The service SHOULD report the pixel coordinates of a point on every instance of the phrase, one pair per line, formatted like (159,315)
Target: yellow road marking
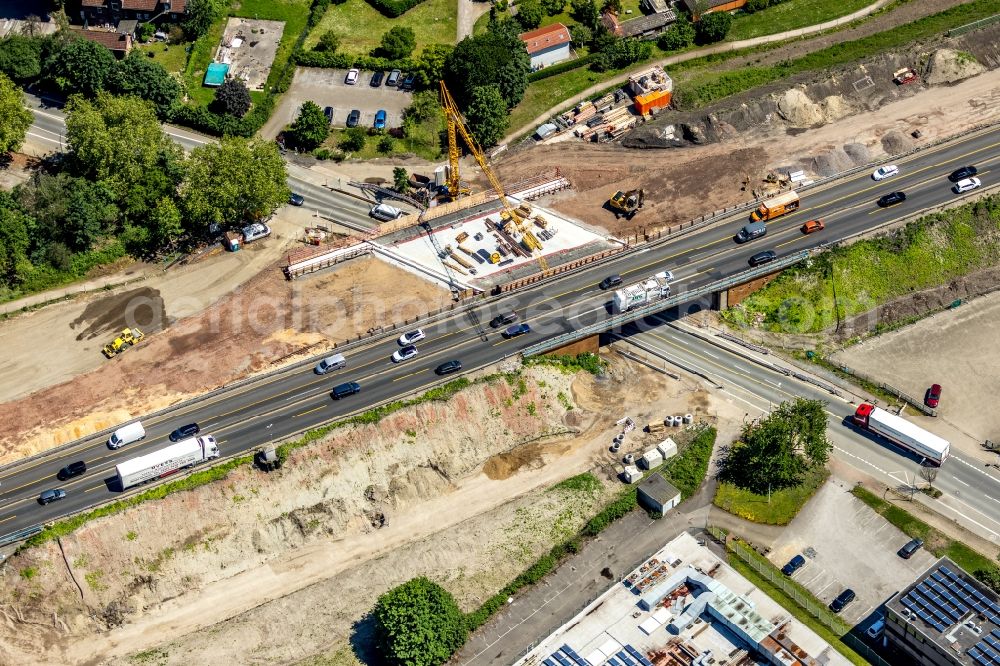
(4,520)
(310,411)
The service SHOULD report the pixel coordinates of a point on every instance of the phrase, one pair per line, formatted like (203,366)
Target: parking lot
(847,545)
(326,87)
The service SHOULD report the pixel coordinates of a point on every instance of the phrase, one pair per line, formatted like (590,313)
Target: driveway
(326,87)
(846,544)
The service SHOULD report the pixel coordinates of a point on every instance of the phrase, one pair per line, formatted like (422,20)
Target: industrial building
(683,607)
(657,494)
(547,45)
(650,89)
(945,618)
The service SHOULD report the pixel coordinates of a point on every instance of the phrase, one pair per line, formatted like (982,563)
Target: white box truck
(641,293)
(166,461)
(900,431)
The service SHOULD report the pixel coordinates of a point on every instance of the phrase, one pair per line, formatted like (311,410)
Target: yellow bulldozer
(627,203)
(127,338)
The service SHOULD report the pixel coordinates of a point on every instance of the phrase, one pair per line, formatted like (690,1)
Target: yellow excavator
(627,203)
(127,338)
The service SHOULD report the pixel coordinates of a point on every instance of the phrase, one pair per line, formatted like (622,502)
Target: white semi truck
(900,431)
(166,461)
(641,293)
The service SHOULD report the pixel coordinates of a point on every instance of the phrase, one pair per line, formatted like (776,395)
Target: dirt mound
(831,162)
(896,143)
(948,66)
(800,111)
(836,107)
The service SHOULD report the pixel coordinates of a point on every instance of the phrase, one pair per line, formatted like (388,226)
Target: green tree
(418,623)
(15,226)
(145,32)
(680,35)
(21,57)
(400,180)
(622,53)
(232,97)
(487,115)
(90,212)
(79,66)
(386,144)
(586,12)
(553,7)
(423,106)
(494,58)
(580,35)
(430,64)
(233,181)
(397,43)
(774,452)
(529,14)
(14,118)
(354,139)
(310,129)
(712,27)
(146,79)
(201,14)
(613,6)
(328,42)
(165,224)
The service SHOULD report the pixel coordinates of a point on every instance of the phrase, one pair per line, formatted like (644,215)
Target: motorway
(296,399)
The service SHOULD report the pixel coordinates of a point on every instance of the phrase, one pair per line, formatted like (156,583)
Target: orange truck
(779,205)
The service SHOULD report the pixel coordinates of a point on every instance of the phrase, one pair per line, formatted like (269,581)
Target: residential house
(110,12)
(547,46)
(117,42)
(698,7)
(641,27)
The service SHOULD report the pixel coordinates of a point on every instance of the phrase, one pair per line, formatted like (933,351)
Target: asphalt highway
(296,399)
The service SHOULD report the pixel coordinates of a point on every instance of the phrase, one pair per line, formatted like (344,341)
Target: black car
(353,118)
(328,112)
(844,598)
(71,470)
(962,173)
(912,546)
(345,389)
(761,258)
(189,430)
(448,367)
(296,199)
(503,319)
(516,330)
(377,79)
(793,565)
(611,281)
(49,496)
(892,199)
(409,81)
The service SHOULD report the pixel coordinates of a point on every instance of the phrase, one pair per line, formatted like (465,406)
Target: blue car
(380,119)
(516,330)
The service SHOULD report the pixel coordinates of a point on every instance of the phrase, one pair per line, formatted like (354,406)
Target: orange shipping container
(654,100)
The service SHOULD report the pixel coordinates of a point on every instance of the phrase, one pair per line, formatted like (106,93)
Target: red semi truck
(903,433)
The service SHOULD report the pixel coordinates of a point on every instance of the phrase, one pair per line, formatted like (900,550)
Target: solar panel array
(939,600)
(639,659)
(565,656)
(987,651)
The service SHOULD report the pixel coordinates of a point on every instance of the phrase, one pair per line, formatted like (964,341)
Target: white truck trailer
(166,461)
(641,293)
(900,431)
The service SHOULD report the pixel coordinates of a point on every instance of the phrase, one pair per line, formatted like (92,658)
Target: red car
(933,396)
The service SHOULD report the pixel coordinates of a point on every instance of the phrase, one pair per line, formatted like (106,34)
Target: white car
(352,77)
(404,354)
(410,337)
(887,171)
(966,185)
(252,232)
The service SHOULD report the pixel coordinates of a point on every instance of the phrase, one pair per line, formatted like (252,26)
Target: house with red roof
(547,45)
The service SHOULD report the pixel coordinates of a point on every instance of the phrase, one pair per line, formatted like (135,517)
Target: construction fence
(975,25)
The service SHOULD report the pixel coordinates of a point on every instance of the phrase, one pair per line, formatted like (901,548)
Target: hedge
(346,61)
(562,67)
(394,8)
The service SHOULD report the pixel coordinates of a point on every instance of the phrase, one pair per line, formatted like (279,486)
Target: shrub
(612,512)
(394,8)
(418,623)
(713,27)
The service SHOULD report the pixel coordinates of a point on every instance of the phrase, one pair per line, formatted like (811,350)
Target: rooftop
(114,41)
(650,80)
(544,38)
(658,488)
(643,24)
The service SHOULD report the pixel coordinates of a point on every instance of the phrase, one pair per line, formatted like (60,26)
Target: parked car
(516,330)
(296,199)
(761,258)
(891,199)
(256,230)
(962,173)
(404,354)
(393,77)
(408,338)
(352,77)
(448,367)
(328,112)
(912,546)
(409,81)
(844,598)
(933,396)
(377,79)
(502,319)
(49,496)
(71,470)
(353,117)
(812,226)
(793,565)
(966,185)
(875,630)
(887,171)
(611,281)
(189,430)
(380,119)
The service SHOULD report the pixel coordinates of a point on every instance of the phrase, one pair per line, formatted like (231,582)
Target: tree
(328,42)
(14,118)
(580,35)
(21,57)
(90,212)
(553,7)
(613,6)
(233,181)
(712,27)
(494,58)
(145,32)
(418,623)
(586,12)
(232,97)
(201,14)
(79,65)
(529,14)
(165,224)
(146,79)
(354,139)
(928,472)
(311,127)
(397,43)
(617,53)
(679,36)
(400,180)
(386,144)
(15,226)
(774,452)
(487,115)
(429,67)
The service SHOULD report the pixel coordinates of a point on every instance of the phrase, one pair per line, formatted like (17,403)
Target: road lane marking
(309,411)
(4,520)
(103,485)
(411,374)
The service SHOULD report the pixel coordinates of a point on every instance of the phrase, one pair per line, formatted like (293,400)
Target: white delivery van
(385,212)
(132,432)
(335,362)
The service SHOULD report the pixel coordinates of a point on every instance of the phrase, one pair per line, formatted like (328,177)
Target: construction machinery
(627,203)
(127,338)
(456,125)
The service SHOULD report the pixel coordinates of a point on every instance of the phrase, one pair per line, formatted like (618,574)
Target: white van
(385,212)
(335,362)
(133,432)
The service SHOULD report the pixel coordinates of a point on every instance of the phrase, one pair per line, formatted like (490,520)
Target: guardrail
(630,316)
(20,535)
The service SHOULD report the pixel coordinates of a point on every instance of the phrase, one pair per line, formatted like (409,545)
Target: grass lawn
(423,142)
(779,509)
(547,94)
(172,57)
(791,15)
(360,27)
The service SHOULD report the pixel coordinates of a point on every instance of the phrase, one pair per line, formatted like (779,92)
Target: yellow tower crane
(456,124)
